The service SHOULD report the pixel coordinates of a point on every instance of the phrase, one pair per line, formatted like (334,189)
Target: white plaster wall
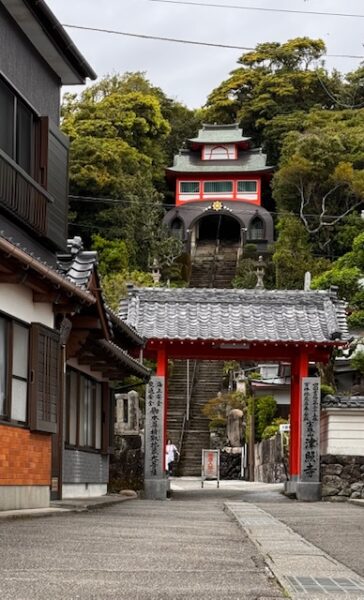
(342,432)
(17,301)
(84,490)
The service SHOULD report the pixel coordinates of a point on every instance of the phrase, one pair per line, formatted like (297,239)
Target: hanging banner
(210,466)
(310,429)
(154,411)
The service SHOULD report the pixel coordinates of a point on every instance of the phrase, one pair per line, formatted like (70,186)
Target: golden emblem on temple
(217,205)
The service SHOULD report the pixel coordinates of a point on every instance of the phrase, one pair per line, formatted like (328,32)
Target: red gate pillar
(299,369)
(162,371)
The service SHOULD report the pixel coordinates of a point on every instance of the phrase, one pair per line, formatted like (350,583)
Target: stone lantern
(155,271)
(260,272)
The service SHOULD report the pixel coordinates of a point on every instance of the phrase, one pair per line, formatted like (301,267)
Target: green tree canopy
(274,79)
(293,254)
(320,176)
(123,131)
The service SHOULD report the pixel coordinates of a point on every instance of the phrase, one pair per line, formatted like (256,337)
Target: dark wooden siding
(44,379)
(27,71)
(58,186)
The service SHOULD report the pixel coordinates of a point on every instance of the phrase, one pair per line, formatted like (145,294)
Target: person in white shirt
(171,451)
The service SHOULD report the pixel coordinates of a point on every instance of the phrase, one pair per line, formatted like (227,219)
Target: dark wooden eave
(17,266)
(113,362)
(124,333)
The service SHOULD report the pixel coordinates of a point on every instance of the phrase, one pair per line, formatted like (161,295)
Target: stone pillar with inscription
(309,487)
(155,480)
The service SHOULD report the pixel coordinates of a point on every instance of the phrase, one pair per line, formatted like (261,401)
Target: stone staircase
(177,399)
(213,266)
(203,265)
(209,379)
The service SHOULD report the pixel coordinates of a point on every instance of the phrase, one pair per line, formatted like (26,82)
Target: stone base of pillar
(156,489)
(290,488)
(308,492)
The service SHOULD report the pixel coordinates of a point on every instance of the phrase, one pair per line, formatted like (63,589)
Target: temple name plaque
(154,418)
(310,432)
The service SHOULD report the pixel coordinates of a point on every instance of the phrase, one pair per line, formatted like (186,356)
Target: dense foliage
(309,121)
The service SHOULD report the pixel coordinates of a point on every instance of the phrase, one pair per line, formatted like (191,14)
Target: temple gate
(297,327)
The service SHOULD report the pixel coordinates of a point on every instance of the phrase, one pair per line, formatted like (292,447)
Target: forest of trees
(124,131)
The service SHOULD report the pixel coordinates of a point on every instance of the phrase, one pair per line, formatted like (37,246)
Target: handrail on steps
(190,384)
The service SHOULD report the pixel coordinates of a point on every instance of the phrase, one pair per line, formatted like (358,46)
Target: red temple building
(218,183)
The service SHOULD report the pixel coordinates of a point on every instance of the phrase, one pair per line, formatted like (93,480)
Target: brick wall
(25,457)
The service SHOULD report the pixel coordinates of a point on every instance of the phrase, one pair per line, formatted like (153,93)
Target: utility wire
(169,206)
(261,9)
(160,38)
(335,99)
(183,41)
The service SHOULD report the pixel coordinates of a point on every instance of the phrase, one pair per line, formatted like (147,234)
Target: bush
(217,422)
(273,429)
(217,408)
(356,320)
(357,362)
(255,375)
(326,390)
(265,408)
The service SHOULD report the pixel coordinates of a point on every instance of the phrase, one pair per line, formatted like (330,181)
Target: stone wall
(342,477)
(230,463)
(127,463)
(269,462)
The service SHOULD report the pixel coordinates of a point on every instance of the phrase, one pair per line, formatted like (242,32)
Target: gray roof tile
(237,315)
(219,134)
(247,161)
(78,264)
(343,402)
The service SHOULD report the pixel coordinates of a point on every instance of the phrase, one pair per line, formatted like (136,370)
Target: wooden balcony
(23,196)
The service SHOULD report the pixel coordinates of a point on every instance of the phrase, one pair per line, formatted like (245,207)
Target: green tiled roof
(219,134)
(248,161)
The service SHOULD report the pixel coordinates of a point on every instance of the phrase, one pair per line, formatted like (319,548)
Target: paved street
(205,544)
(186,548)
(336,528)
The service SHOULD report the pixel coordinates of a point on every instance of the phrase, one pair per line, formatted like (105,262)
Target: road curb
(298,566)
(58,509)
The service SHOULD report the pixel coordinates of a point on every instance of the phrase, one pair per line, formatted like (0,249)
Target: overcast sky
(189,73)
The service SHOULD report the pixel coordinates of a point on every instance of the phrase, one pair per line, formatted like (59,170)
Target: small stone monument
(235,427)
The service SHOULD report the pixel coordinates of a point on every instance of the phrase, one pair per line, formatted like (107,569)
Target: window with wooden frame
(14,355)
(189,187)
(247,186)
(218,187)
(29,374)
(23,134)
(84,414)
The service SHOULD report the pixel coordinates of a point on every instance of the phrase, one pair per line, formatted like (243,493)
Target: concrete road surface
(186,548)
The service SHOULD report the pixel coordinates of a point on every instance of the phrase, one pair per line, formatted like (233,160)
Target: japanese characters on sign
(154,411)
(210,465)
(310,429)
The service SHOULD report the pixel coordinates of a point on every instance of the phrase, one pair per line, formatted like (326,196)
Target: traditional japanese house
(47,308)
(218,183)
(98,347)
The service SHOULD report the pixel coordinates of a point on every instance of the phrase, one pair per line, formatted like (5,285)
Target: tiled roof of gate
(343,402)
(236,315)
